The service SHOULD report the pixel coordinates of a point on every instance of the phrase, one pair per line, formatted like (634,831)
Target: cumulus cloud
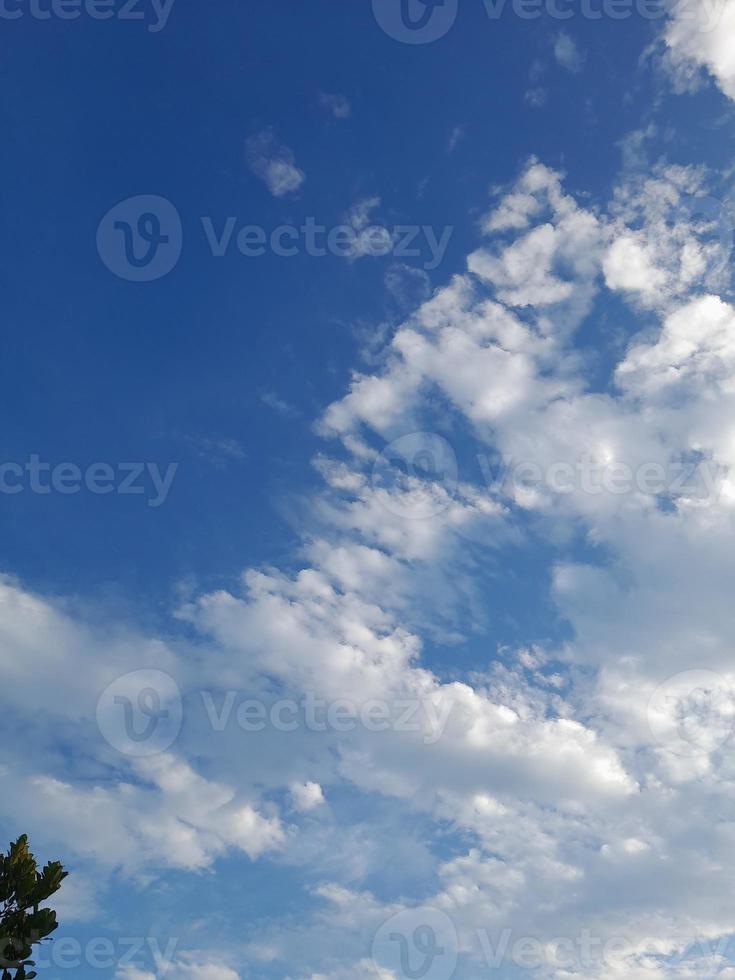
(171,818)
(700,37)
(563,778)
(545,415)
(628,266)
(696,344)
(668,236)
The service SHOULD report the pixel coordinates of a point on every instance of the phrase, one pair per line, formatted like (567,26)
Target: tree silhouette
(22,923)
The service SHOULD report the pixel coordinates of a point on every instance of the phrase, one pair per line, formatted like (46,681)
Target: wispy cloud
(408,285)
(455,137)
(217,451)
(370,238)
(274,163)
(536,97)
(279,405)
(567,53)
(337,104)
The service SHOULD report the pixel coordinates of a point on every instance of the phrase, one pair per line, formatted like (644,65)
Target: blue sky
(467,475)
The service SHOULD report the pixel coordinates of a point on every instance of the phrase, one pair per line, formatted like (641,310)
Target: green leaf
(23,889)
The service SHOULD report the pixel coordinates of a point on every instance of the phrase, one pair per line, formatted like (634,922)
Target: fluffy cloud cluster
(700,36)
(561,811)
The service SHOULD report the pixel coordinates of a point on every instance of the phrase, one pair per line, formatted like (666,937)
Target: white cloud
(168,817)
(696,345)
(363,970)
(455,137)
(306,796)
(538,187)
(667,236)
(273,162)
(408,286)
(359,214)
(556,777)
(558,807)
(182,969)
(567,53)
(337,104)
(628,266)
(700,36)
(279,405)
(536,97)
(370,238)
